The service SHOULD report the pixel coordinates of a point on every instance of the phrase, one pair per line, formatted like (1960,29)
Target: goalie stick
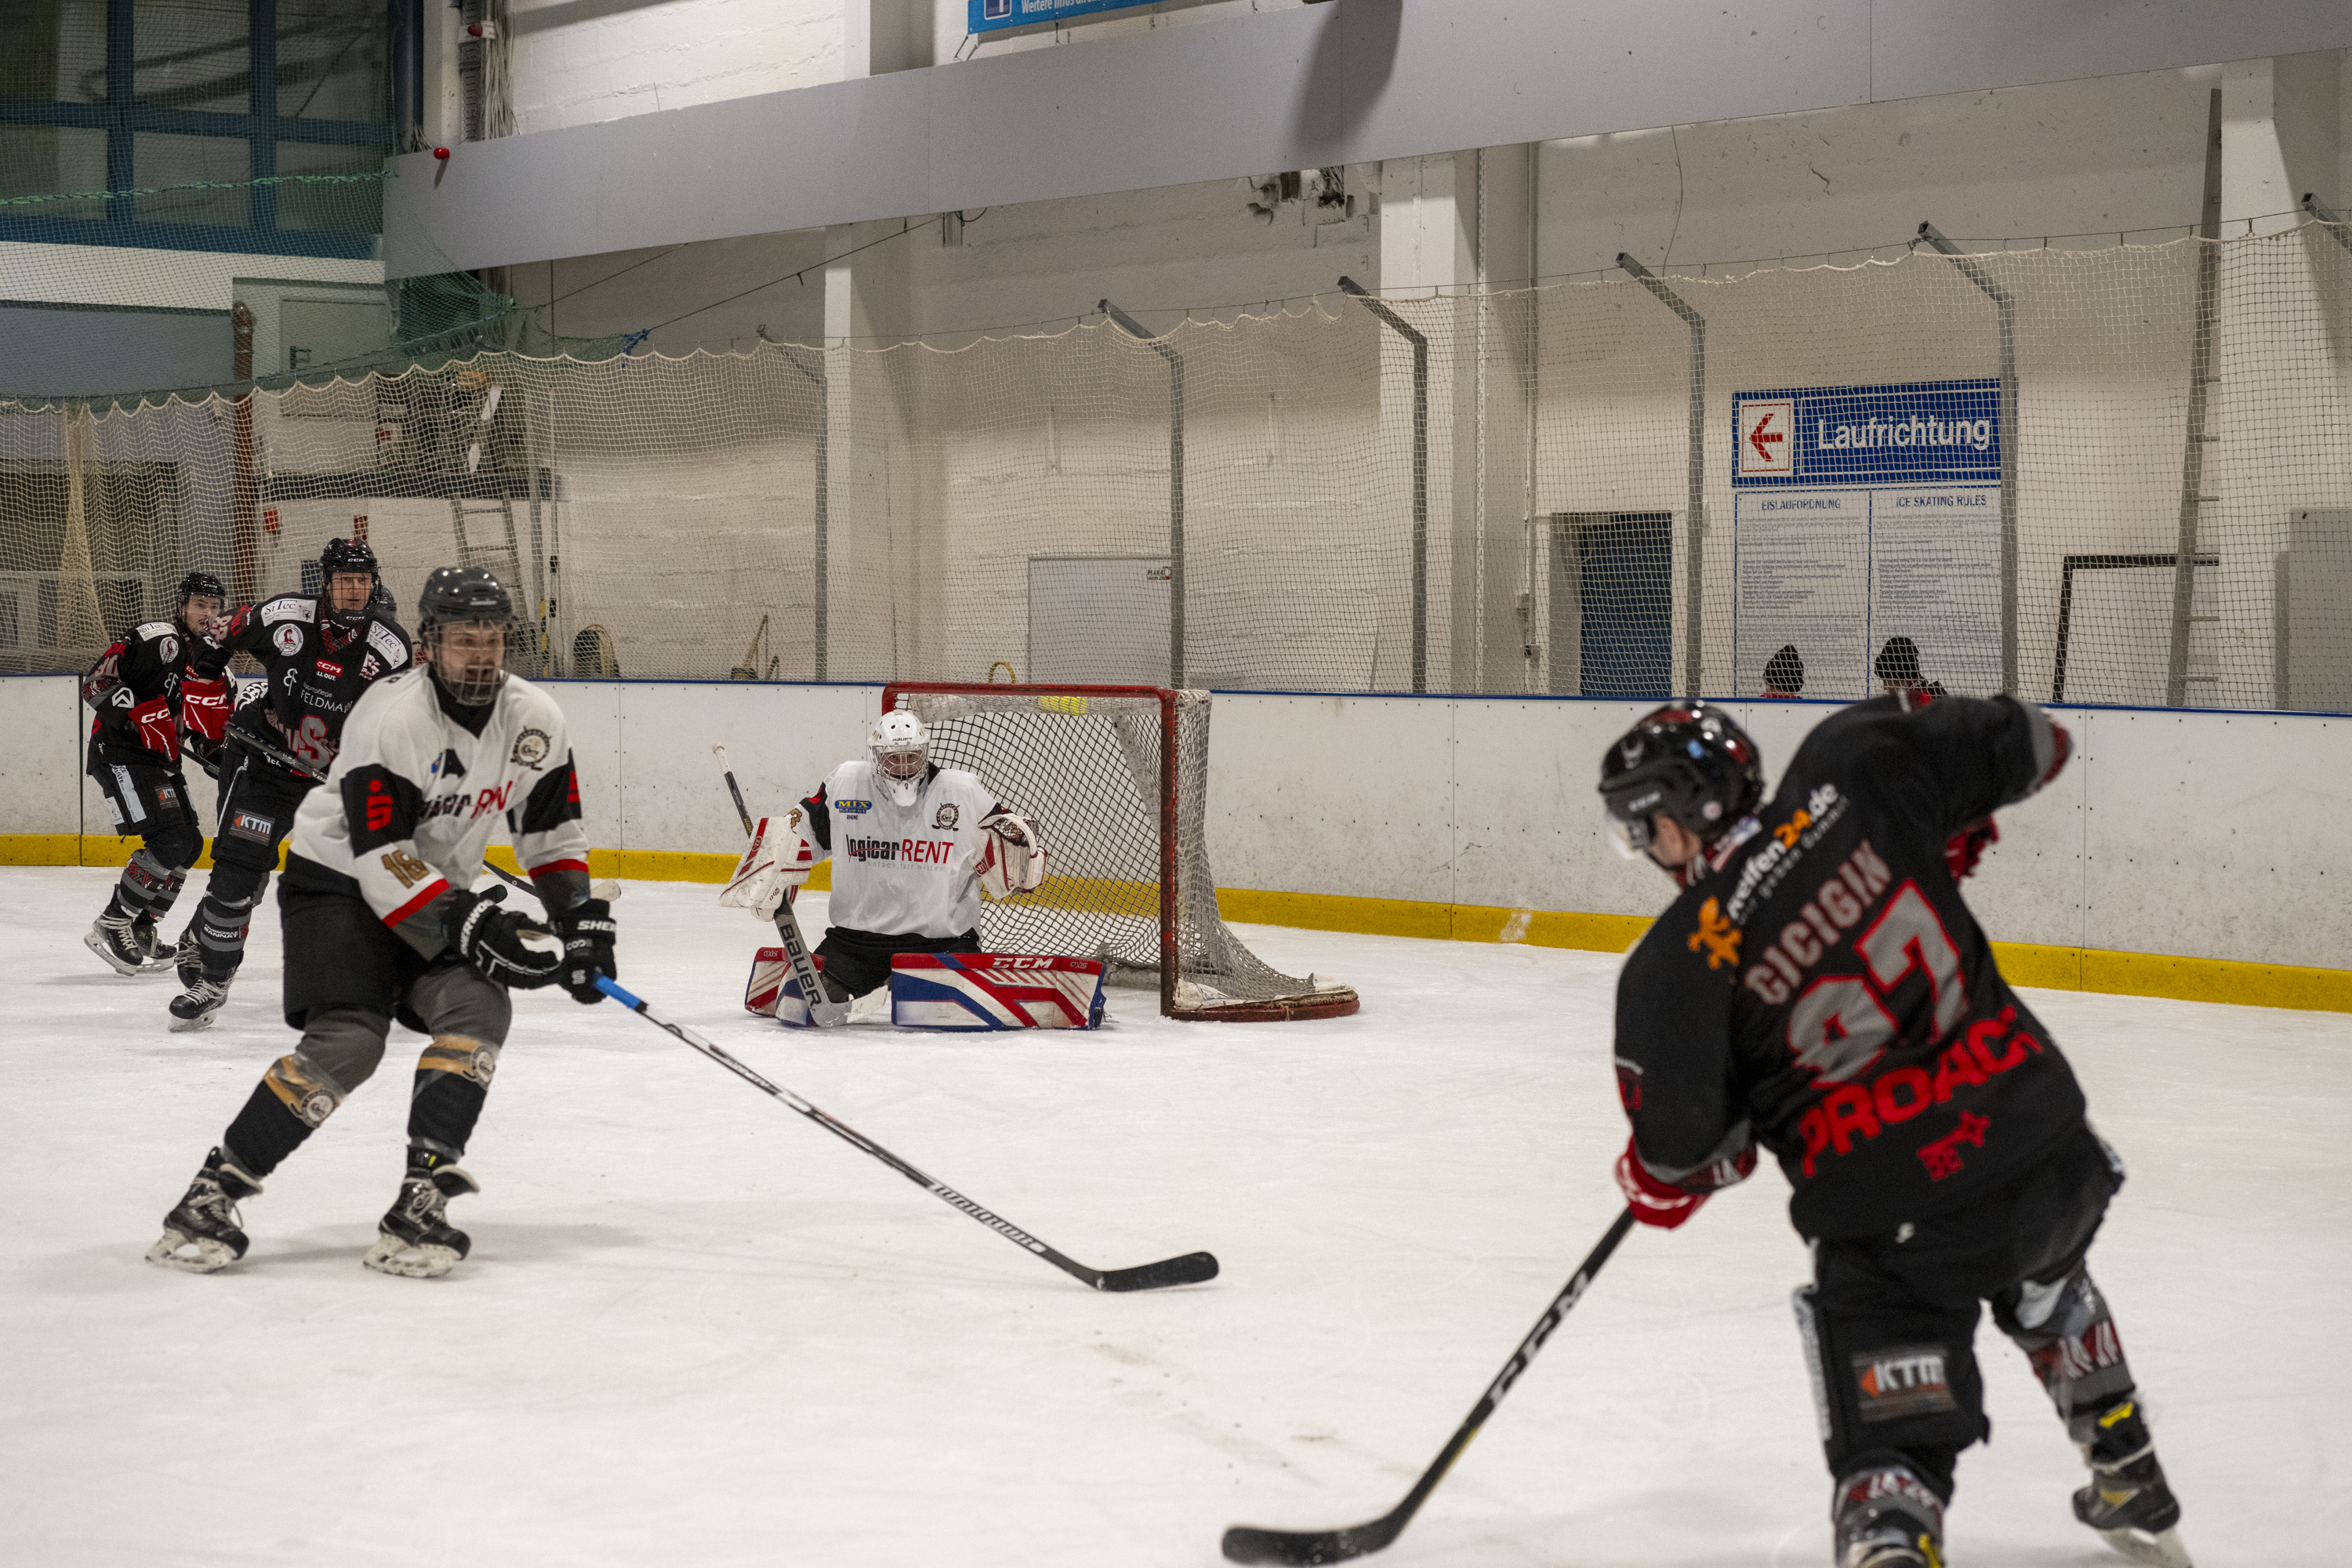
(1191,1268)
(824,1012)
(1248,1544)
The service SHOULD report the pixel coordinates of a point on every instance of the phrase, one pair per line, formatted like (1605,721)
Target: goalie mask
(1686,762)
(901,749)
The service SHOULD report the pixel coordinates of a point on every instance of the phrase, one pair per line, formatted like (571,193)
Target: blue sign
(995,16)
(1918,433)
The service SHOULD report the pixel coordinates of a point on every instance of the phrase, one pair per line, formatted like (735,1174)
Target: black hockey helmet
(1785,670)
(199,585)
(456,597)
(1687,762)
(345,555)
(460,594)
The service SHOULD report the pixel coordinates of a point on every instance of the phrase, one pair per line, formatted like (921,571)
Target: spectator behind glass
(1898,669)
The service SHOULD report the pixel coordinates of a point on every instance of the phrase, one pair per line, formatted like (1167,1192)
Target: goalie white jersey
(910,870)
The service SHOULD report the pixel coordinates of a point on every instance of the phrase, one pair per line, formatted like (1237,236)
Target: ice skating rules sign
(1863,512)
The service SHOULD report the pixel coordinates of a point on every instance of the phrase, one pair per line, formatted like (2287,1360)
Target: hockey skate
(188,958)
(151,949)
(416,1239)
(110,937)
(1887,1518)
(2127,1501)
(201,1235)
(193,1008)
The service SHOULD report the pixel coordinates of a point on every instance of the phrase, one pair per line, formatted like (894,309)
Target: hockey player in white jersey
(913,845)
(382,924)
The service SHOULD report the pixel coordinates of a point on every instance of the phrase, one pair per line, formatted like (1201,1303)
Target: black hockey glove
(490,938)
(587,931)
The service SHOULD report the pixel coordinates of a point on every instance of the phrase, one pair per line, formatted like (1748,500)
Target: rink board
(2173,859)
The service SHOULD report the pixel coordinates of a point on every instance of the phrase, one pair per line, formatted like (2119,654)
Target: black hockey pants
(1890,1320)
(153,804)
(856,961)
(258,802)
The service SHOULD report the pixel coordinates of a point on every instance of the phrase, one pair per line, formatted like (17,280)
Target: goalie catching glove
(1012,859)
(770,871)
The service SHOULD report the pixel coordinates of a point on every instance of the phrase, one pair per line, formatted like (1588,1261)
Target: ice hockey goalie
(915,848)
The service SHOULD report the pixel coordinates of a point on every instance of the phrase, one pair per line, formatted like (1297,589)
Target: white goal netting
(1258,508)
(1116,779)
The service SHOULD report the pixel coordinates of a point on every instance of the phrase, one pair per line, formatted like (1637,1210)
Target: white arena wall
(2199,836)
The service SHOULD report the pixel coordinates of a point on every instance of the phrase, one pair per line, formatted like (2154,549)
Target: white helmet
(901,749)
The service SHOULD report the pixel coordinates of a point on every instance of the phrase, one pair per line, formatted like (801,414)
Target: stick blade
(1248,1544)
(1192,1269)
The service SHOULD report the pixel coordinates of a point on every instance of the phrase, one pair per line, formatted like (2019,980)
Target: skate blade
(203,1020)
(204,1256)
(390,1255)
(96,944)
(2164,1548)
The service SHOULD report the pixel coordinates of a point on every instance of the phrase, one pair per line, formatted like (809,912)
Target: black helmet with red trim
(1687,762)
(341,556)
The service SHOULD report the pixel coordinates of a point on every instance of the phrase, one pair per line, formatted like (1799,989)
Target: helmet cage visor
(474,668)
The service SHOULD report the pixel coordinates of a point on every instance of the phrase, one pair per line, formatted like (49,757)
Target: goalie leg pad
(769,970)
(981,991)
(774,991)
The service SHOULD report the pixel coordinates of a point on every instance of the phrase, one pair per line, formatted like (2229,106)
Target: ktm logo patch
(1908,1380)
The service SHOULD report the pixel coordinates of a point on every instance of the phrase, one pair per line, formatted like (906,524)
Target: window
(204,105)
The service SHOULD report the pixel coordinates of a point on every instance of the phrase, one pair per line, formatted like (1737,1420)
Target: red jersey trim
(433,889)
(579,866)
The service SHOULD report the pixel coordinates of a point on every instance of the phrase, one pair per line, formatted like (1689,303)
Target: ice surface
(696,1329)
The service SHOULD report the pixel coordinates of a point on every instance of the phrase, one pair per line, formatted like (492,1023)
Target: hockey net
(1116,778)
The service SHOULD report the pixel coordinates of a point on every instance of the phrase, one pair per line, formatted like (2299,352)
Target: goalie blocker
(967,991)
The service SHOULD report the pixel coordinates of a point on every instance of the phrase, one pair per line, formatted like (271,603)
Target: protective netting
(1092,768)
(1255,505)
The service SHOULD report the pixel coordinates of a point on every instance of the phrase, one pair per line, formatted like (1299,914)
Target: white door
(1100,620)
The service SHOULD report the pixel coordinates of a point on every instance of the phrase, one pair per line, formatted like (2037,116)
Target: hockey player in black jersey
(1821,989)
(317,653)
(149,686)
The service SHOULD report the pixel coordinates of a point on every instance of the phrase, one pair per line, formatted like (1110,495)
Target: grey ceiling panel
(1350,82)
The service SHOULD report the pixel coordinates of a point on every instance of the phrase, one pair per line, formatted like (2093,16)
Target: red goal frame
(1280,1010)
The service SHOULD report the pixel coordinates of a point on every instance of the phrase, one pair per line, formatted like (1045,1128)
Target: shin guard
(453,1082)
(2069,1336)
(293,1098)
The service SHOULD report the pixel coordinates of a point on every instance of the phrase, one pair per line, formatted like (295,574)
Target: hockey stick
(741,809)
(824,1012)
(1190,1269)
(1247,1544)
(605,889)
